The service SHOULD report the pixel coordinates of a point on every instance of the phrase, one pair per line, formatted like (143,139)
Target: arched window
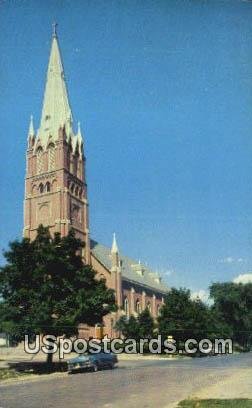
(149,306)
(77,191)
(72,188)
(41,188)
(80,193)
(53,185)
(138,307)
(48,187)
(40,164)
(51,157)
(126,306)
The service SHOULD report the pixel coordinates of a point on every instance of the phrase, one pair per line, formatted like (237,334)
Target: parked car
(91,362)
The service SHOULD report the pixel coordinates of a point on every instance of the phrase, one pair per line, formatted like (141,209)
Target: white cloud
(243,278)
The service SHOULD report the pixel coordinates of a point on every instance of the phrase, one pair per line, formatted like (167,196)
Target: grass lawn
(216,403)
(25,369)
(6,373)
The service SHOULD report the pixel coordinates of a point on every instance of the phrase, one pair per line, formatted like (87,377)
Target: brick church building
(56,196)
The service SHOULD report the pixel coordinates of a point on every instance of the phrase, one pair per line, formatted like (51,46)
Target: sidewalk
(139,357)
(18,354)
(238,385)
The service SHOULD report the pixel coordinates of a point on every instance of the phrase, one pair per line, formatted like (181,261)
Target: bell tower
(55,183)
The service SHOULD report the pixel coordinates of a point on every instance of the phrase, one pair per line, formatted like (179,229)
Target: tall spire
(56,110)
(114,249)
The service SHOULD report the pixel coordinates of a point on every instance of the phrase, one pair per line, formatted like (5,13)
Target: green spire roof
(56,110)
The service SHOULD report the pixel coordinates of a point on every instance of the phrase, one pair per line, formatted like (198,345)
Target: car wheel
(112,366)
(95,368)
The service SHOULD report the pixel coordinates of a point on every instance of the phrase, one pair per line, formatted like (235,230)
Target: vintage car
(91,362)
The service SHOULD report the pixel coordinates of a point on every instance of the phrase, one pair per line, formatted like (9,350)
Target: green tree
(219,328)
(206,323)
(233,304)
(145,324)
(47,289)
(199,320)
(175,317)
(128,326)
(183,317)
(138,327)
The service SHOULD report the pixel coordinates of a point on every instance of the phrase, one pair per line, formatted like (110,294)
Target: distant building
(56,196)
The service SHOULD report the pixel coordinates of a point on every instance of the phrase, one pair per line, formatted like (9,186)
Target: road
(142,384)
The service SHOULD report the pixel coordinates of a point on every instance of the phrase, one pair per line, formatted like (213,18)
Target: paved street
(142,384)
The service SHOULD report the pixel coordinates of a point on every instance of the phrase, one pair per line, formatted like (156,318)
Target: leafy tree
(233,304)
(183,317)
(138,327)
(47,289)
(175,317)
(129,327)
(7,326)
(145,324)
(219,328)
(200,320)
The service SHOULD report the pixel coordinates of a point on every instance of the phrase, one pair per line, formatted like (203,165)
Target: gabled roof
(131,269)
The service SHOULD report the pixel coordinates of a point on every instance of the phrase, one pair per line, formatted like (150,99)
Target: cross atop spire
(54,27)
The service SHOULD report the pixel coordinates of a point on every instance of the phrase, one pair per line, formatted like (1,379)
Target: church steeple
(56,110)
(55,185)
(116,271)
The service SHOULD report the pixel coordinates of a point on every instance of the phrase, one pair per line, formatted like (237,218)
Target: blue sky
(163,90)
